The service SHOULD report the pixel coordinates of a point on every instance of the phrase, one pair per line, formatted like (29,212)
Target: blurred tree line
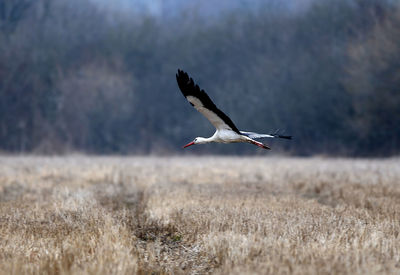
(74,77)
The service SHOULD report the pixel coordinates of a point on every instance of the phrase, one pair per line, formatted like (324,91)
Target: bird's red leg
(259,144)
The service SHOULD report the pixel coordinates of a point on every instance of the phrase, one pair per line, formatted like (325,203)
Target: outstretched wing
(202,102)
(257,135)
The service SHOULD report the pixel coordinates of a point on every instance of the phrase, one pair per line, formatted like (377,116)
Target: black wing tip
(179,74)
(277,135)
(186,84)
(285,137)
(182,74)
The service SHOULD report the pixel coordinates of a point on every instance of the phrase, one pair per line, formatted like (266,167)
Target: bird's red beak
(189,144)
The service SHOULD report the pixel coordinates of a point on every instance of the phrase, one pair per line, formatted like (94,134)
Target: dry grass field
(148,215)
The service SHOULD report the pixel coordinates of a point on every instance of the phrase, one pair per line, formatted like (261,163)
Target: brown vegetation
(199,215)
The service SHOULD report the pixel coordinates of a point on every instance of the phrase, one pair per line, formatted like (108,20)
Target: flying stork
(226,131)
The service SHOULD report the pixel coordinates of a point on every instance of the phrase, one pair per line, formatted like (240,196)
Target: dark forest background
(79,76)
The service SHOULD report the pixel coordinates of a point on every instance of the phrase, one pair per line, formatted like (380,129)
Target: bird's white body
(225,136)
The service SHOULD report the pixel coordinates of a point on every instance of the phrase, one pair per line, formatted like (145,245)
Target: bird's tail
(257,135)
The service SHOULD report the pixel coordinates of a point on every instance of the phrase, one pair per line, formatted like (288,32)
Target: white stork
(226,131)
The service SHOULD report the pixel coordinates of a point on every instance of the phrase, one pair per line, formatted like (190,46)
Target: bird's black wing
(202,102)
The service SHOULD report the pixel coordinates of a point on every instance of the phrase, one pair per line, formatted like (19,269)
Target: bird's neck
(202,140)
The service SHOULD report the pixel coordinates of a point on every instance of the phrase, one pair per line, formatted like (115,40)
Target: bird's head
(198,140)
